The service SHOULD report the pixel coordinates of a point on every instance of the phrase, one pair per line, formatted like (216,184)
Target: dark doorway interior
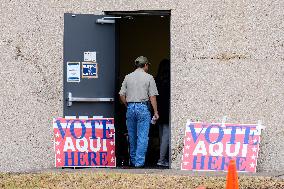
(147,35)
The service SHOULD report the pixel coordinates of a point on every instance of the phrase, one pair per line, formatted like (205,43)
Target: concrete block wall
(227,59)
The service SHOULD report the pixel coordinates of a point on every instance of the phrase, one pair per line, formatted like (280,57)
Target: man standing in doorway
(136,90)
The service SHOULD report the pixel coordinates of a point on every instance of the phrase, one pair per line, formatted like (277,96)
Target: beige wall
(227,59)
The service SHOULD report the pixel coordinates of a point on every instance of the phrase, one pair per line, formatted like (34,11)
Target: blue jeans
(138,118)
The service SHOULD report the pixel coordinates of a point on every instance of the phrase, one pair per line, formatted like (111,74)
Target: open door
(113,46)
(91,93)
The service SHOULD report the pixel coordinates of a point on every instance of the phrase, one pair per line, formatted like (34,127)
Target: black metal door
(92,96)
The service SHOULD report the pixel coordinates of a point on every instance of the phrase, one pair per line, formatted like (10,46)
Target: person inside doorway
(136,90)
(163,84)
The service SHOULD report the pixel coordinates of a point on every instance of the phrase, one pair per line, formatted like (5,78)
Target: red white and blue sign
(210,146)
(84,142)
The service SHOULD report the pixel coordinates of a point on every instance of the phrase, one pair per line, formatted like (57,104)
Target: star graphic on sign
(253,157)
(57,143)
(112,159)
(188,138)
(186,155)
(254,149)
(111,151)
(58,160)
(252,165)
(57,134)
(58,151)
(111,143)
(111,134)
(187,147)
(255,140)
(185,163)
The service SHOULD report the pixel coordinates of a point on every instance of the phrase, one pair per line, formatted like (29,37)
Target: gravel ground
(129,178)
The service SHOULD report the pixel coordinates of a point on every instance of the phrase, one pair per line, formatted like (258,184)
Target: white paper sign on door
(90,56)
(73,71)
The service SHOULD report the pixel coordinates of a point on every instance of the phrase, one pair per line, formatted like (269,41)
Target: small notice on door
(90,56)
(89,70)
(73,71)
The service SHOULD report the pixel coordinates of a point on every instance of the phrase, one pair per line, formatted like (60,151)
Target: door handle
(71,99)
(105,21)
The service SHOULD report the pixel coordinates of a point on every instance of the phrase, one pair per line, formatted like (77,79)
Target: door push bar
(71,99)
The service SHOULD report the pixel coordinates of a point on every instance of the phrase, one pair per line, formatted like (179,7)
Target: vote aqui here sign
(210,146)
(84,142)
